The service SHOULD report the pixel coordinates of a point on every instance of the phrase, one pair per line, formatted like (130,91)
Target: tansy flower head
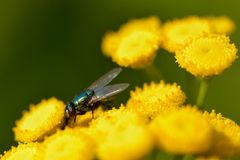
(155,98)
(115,119)
(131,142)
(68,144)
(28,151)
(222,24)
(183,131)
(121,134)
(226,136)
(177,32)
(41,120)
(137,49)
(207,55)
(135,44)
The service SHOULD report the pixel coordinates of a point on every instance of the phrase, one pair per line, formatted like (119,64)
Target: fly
(98,93)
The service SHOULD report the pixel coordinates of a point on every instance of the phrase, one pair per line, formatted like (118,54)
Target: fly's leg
(93,107)
(92,113)
(75,117)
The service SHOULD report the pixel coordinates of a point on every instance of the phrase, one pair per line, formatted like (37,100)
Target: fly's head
(69,114)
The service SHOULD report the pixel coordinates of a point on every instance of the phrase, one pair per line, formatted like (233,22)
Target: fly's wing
(105,79)
(108,91)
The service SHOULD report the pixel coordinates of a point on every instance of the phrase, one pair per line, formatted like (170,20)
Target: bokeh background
(52,48)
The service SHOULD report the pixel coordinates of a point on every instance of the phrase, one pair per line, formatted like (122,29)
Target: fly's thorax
(82,97)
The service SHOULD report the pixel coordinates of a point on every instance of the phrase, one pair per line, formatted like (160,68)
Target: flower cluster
(200,44)
(156,117)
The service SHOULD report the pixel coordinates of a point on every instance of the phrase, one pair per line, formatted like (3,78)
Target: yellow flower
(177,32)
(183,131)
(207,55)
(137,49)
(155,98)
(135,44)
(41,120)
(121,134)
(132,142)
(114,119)
(226,136)
(222,24)
(68,144)
(28,151)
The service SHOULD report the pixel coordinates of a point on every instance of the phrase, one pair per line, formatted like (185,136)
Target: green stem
(202,91)
(191,88)
(153,72)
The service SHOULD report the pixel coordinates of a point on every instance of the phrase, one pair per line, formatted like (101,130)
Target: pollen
(68,144)
(183,131)
(28,151)
(134,44)
(222,24)
(155,98)
(226,135)
(177,32)
(207,55)
(42,119)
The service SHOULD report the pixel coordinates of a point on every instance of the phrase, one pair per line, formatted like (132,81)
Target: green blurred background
(52,48)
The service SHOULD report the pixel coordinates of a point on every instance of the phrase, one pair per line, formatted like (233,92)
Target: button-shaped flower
(177,32)
(207,55)
(226,136)
(135,44)
(68,144)
(183,131)
(42,119)
(155,98)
